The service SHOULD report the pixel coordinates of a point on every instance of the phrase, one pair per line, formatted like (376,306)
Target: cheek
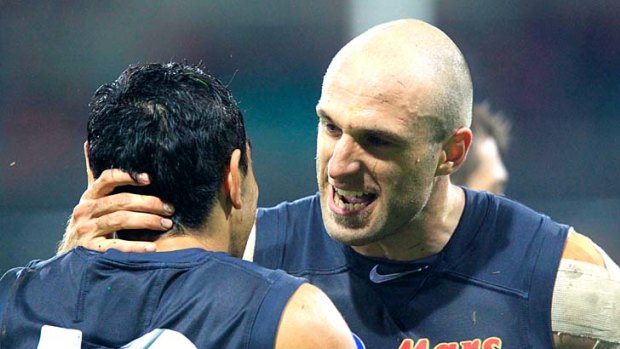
(410,175)
(323,153)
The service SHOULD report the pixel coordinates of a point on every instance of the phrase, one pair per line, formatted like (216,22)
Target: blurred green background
(553,67)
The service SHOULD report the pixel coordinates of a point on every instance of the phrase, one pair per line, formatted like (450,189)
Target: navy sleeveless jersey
(490,287)
(181,299)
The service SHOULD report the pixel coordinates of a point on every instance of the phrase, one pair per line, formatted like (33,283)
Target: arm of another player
(310,320)
(99,214)
(586,297)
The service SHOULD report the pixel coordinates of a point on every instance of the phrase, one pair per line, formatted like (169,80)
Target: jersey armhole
(543,280)
(265,326)
(6,286)
(269,238)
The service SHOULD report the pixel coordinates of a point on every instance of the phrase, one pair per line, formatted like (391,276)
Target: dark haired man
(410,259)
(183,128)
(484,169)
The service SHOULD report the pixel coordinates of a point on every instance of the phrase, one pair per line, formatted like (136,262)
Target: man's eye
(331,129)
(377,141)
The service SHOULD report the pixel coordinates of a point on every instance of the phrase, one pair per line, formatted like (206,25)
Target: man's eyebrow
(384,134)
(379,133)
(322,114)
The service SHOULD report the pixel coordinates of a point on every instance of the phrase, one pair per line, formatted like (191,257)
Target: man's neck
(429,232)
(180,242)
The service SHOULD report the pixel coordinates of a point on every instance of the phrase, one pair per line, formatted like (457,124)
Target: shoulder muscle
(310,320)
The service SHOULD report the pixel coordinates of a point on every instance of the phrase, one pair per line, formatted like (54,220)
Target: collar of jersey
(179,256)
(362,265)
(452,252)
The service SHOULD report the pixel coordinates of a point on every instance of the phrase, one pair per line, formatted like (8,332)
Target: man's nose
(345,158)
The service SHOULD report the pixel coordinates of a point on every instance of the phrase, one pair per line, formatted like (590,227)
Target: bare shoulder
(580,248)
(310,320)
(586,297)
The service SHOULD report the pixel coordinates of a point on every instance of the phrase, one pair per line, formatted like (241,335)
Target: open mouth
(349,202)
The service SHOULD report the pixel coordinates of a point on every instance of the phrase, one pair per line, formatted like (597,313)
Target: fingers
(96,203)
(122,220)
(123,202)
(89,171)
(114,221)
(111,179)
(103,244)
(97,215)
(93,232)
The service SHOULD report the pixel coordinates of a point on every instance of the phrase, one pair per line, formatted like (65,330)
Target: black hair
(174,122)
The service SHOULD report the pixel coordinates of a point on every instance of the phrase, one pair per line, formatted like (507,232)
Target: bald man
(411,260)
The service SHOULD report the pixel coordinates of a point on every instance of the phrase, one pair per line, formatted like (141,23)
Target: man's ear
(454,152)
(89,172)
(233,179)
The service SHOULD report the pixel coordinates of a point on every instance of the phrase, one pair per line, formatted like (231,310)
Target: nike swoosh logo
(381,278)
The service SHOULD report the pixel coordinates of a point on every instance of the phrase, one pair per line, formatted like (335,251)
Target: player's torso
(433,309)
(482,291)
(187,299)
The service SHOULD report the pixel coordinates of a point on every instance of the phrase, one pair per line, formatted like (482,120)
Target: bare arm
(99,214)
(310,320)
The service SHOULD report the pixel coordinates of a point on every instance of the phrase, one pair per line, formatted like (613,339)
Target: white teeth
(348,192)
(350,207)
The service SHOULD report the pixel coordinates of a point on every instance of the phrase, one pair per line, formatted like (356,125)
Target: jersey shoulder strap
(6,284)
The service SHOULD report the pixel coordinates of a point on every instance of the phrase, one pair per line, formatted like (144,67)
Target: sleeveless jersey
(180,299)
(490,287)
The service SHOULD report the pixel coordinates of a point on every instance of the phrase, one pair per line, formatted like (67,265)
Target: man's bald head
(411,65)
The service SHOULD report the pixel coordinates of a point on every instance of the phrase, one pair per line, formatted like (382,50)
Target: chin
(350,235)
(351,230)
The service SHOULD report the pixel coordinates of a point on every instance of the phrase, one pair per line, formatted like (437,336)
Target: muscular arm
(586,297)
(310,320)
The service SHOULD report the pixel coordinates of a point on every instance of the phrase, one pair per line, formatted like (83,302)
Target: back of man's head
(174,122)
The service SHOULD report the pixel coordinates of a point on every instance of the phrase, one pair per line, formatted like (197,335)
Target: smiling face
(376,161)
(383,119)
